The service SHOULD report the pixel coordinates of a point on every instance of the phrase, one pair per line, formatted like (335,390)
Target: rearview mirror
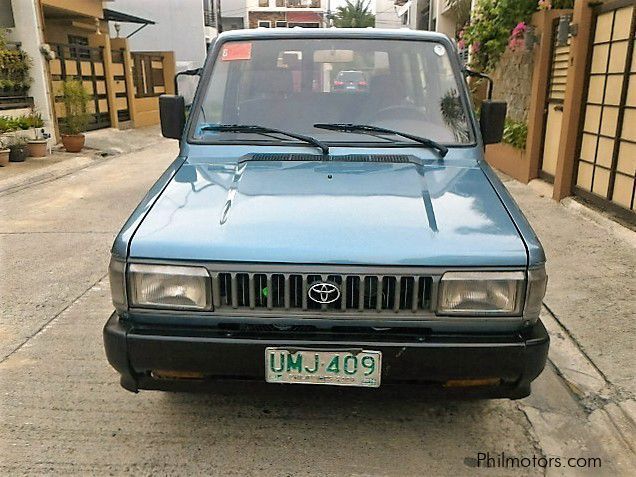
(491,121)
(172,115)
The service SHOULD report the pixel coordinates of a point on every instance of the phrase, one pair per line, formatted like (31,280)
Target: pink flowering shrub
(516,40)
(544,5)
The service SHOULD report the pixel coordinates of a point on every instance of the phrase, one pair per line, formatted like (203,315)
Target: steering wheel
(400,111)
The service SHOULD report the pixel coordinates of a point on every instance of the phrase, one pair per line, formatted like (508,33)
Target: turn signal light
(162,374)
(465,383)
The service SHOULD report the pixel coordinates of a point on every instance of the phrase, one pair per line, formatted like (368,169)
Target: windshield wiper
(366,128)
(255,129)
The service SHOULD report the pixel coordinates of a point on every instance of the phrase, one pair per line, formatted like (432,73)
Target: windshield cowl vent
(392,158)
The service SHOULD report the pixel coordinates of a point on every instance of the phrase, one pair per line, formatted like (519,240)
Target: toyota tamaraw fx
(308,233)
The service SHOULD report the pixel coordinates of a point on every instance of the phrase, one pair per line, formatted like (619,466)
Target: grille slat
(234,290)
(287,286)
(270,293)
(396,294)
(414,300)
(304,292)
(260,291)
(252,292)
(216,291)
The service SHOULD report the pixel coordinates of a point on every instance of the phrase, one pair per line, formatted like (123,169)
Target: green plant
(33,119)
(490,28)
(7,84)
(16,142)
(496,24)
(515,133)
(14,67)
(23,122)
(76,100)
(461,12)
(7,124)
(3,38)
(354,15)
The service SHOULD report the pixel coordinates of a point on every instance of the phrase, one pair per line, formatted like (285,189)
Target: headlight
(481,293)
(166,286)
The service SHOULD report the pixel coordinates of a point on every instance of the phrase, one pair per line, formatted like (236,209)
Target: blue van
(306,236)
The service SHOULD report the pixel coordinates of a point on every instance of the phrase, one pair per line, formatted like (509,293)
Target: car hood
(331,212)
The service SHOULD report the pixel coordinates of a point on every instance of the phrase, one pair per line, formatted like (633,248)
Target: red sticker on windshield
(236,51)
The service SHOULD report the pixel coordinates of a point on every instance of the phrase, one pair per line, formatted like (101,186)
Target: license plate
(335,367)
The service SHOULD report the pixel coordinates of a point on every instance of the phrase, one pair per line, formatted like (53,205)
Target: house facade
(179,26)
(286,13)
(433,15)
(70,39)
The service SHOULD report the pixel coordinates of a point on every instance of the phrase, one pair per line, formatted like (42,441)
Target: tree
(354,15)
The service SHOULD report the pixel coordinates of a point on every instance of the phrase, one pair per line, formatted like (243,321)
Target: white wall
(235,8)
(179,28)
(385,16)
(28,32)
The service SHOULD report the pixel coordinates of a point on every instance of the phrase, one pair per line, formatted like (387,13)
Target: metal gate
(553,112)
(118,59)
(84,63)
(606,155)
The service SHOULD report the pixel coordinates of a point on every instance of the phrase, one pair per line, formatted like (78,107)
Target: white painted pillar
(29,33)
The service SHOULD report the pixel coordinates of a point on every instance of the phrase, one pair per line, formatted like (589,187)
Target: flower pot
(37,148)
(18,153)
(73,142)
(4,157)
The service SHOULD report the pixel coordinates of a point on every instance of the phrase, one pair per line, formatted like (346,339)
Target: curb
(45,174)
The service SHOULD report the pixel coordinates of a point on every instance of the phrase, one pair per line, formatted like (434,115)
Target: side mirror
(491,121)
(172,115)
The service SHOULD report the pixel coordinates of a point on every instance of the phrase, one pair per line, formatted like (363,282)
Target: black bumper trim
(517,359)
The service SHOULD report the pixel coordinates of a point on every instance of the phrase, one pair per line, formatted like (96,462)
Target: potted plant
(37,145)
(7,125)
(76,120)
(4,153)
(18,149)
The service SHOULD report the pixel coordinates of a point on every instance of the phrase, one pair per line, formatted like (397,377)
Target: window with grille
(148,75)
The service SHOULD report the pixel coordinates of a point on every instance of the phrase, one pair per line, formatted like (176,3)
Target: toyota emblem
(324,292)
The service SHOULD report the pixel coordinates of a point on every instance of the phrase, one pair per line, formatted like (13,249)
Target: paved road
(62,410)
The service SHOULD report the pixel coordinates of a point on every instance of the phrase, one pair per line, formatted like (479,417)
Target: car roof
(360,33)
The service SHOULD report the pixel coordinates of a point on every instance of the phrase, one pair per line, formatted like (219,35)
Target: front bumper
(516,359)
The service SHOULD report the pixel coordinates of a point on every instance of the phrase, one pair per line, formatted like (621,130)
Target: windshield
(292,84)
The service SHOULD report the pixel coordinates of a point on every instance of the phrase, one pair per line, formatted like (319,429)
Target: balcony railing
(289,3)
(208,18)
(303,3)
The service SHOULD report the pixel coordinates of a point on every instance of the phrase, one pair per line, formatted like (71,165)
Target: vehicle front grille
(386,293)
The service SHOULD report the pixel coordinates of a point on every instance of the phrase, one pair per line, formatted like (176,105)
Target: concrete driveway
(63,412)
